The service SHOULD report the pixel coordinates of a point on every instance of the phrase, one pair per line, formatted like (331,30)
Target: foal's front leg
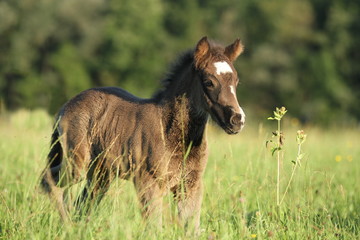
(151,198)
(189,202)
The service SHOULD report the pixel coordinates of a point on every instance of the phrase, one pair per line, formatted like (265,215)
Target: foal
(104,133)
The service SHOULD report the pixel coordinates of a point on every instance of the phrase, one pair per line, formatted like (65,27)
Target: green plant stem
(292,173)
(278,167)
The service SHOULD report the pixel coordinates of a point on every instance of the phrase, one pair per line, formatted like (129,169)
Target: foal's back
(112,126)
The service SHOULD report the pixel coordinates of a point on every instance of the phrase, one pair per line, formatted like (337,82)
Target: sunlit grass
(323,201)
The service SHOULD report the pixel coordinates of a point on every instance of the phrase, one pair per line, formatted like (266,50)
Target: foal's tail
(50,175)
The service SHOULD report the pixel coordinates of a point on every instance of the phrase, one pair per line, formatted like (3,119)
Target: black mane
(176,69)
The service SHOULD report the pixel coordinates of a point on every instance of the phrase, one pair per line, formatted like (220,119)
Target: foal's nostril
(235,119)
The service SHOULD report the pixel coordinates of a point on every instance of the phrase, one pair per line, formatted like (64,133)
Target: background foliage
(302,54)
(323,201)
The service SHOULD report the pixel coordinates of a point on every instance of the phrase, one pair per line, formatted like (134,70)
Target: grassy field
(323,201)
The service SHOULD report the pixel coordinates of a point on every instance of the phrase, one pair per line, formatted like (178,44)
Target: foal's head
(219,80)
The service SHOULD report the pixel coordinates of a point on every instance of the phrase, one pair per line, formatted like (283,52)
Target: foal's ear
(201,50)
(234,50)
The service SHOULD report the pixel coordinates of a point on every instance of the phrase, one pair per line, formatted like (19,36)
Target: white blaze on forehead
(232,90)
(222,67)
(239,109)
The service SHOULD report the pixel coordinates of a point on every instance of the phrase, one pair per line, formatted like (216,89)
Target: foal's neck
(186,117)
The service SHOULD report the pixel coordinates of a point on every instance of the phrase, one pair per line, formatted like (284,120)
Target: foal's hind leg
(98,182)
(56,193)
(57,180)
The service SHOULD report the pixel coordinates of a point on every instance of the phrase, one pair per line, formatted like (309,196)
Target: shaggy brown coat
(104,133)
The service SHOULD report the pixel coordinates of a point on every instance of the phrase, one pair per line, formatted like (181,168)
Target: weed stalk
(278,114)
(300,139)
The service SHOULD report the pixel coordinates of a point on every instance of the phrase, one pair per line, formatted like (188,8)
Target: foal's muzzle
(237,121)
(227,118)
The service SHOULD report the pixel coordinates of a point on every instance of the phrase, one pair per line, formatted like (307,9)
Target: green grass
(323,201)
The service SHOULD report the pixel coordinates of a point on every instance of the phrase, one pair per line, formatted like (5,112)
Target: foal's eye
(208,84)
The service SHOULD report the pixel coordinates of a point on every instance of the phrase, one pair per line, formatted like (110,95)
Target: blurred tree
(131,54)
(183,22)
(56,49)
(302,54)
